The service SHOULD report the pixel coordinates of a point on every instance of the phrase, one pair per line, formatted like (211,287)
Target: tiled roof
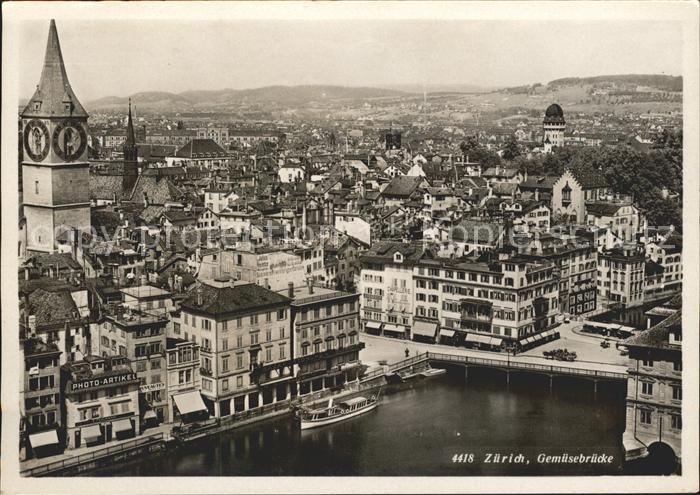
(402,186)
(504,188)
(500,172)
(201,148)
(108,187)
(158,190)
(657,336)
(541,182)
(237,299)
(62,261)
(51,308)
(588,177)
(601,209)
(471,231)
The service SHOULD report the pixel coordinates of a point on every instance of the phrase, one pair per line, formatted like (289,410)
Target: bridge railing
(500,363)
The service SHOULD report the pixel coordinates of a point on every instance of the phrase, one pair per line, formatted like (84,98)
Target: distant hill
(283,95)
(656,81)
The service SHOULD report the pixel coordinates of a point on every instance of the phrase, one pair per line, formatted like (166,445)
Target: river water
(419,429)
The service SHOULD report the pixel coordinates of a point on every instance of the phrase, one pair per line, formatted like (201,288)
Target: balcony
(329,353)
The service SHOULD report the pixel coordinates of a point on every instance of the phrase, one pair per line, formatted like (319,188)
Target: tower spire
(54,95)
(130,138)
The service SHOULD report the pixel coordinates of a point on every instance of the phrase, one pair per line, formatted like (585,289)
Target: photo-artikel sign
(102,381)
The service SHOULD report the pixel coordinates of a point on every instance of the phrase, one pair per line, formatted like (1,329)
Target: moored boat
(433,372)
(335,413)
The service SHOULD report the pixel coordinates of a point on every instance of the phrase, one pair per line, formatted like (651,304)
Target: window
(647,388)
(282,351)
(648,364)
(677,366)
(677,392)
(676,422)
(155,364)
(206,324)
(645,416)
(239,381)
(281,314)
(253,319)
(176,328)
(268,354)
(239,341)
(281,332)
(268,317)
(206,384)
(224,384)
(239,361)
(36,187)
(224,364)
(253,338)
(268,335)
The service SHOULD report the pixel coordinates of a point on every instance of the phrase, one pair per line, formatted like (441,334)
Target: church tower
(130,172)
(55,171)
(554,126)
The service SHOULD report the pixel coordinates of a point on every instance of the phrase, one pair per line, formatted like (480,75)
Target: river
(418,430)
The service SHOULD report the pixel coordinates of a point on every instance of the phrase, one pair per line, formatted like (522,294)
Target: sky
(119,58)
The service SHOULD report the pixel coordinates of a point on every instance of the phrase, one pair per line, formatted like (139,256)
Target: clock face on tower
(69,140)
(36,140)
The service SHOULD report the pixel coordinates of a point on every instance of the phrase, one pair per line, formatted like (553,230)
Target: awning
(43,439)
(375,325)
(424,328)
(189,402)
(150,414)
(90,433)
(527,340)
(471,338)
(121,425)
(392,328)
(483,339)
(495,341)
(445,332)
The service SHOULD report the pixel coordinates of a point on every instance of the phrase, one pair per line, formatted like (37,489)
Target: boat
(335,413)
(394,377)
(433,372)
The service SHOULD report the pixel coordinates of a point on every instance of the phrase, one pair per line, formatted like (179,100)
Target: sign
(102,381)
(152,386)
(106,419)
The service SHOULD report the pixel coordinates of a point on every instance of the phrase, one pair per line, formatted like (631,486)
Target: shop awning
(446,332)
(373,324)
(483,339)
(424,328)
(150,414)
(90,433)
(121,425)
(495,341)
(43,439)
(471,338)
(527,340)
(393,328)
(189,402)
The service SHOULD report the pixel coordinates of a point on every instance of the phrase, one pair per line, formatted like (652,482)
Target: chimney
(199,296)
(310,285)
(291,290)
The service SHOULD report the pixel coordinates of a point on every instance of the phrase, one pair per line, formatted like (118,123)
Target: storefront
(44,443)
(424,331)
(190,406)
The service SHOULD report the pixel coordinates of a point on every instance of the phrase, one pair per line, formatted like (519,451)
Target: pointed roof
(130,137)
(54,91)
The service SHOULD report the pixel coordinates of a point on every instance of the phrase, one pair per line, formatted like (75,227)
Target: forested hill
(657,81)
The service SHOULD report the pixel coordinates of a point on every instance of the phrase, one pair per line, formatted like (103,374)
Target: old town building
(100,400)
(243,331)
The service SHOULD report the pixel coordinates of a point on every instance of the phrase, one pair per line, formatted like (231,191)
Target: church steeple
(130,137)
(54,96)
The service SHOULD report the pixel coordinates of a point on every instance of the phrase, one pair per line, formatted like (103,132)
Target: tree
(511,148)
(469,145)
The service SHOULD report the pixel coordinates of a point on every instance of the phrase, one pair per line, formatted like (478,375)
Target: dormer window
(398,257)
(37,105)
(566,195)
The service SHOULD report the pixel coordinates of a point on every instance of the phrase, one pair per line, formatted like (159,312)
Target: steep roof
(657,336)
(402,186)
(237,299)
(108,187)
(157,190)
(475,232)
(602,209)
(588,177)
(54,91)
(51,307)
(504,188)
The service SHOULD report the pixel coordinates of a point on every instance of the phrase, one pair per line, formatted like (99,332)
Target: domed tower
(554,126)
(55,170)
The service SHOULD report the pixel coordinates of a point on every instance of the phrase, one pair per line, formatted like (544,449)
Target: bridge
(578,369)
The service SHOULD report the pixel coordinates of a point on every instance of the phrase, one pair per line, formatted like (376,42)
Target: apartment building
(183,374)
(386,287)
(41,398)
(244,334)
(621,277)
(506,302)
(100,400)
(654,394)
(325,326)
(576,265)
(141,337)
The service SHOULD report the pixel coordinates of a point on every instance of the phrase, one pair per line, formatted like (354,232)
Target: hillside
(281,95)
